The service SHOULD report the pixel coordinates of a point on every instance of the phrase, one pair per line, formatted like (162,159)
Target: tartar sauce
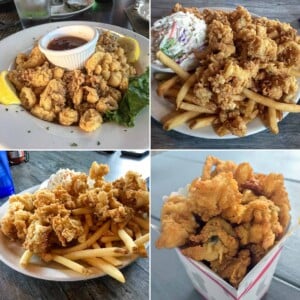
(177,35)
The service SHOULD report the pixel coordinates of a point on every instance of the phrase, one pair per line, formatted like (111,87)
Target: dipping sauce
(66,43)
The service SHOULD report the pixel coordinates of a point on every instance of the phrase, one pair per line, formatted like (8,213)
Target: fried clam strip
(233,269)
(89,242)
(216,239)
(288,107)
(177,224)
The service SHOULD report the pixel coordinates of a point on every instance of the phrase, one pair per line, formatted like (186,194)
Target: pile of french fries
(104,246)
(177,90)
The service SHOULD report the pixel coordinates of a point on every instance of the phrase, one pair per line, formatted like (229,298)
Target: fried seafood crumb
(230,217)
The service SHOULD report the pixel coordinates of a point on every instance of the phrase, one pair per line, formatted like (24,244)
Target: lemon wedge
(131,48)
(7,91)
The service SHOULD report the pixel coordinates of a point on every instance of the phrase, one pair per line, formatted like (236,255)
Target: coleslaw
(177,35)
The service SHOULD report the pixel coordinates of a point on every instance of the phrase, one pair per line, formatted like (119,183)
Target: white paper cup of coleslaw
(73,58)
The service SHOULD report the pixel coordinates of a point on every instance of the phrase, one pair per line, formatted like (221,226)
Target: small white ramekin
(74,58)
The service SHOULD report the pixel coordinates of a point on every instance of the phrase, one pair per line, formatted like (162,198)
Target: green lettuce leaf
(133,101)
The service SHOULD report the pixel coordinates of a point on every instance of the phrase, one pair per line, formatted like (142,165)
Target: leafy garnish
(133,101)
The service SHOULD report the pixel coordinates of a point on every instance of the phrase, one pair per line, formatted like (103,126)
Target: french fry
(143,239)
(272,118)
(128,241)
(184,89)
(195,108)
(89,242)
(167,61)
(71,264)
(109,239)
(112,251)
(108,245)
(179,119)
(166,85)
(88,220)
(25,258)
(106,268)
(84,235)
(81,211)
(144,223)
(201,122)
(112,260)
(288,107)
(249,108)
(136,229)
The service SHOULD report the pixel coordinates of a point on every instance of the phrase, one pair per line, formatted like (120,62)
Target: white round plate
(160,108)
(21,130)
(144,11)
(11,252)
(63,11)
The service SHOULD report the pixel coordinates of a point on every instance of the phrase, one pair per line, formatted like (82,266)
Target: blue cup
(6,181)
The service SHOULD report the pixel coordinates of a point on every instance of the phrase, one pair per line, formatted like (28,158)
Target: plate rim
(71,13)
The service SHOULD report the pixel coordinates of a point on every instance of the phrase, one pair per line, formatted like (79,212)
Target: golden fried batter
(216,240)
(178,222)
(230,217)
(233,269)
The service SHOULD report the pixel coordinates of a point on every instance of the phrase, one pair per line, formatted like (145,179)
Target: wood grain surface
(15,286)
(289,135)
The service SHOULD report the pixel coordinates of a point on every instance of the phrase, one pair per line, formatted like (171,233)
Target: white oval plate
(160,108)
(63,11)
(21,130)
(11,252)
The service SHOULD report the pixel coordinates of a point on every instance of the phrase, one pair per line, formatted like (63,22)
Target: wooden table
(14,286)
(171,170)
(289,136)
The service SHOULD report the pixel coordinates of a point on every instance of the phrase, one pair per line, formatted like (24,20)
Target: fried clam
(90,120)
(216,240)
(208,198)
(233,269)
(178,223)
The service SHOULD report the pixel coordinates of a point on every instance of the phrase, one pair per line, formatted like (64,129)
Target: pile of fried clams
(229,219)
(243,52)
(77,97)
(47,220)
